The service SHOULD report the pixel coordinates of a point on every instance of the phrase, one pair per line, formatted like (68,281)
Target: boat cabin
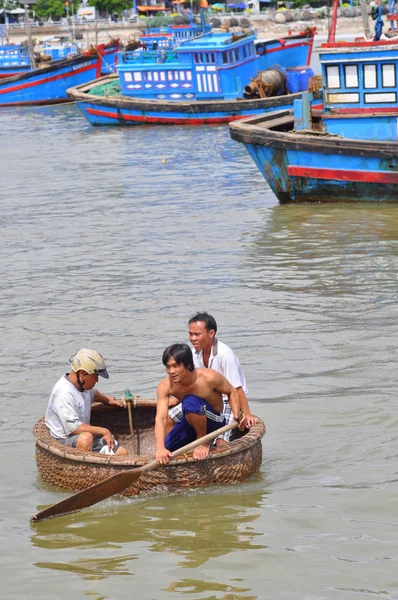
(12,55)
(360,83)
(213,66)
(59,47)
(166,37)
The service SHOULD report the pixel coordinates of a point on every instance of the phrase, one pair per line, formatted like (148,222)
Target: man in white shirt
(69,409)
(209,352)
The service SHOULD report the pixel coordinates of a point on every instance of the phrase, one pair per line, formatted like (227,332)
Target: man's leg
(85,441)
(225,438)
(203,419)
(174,416)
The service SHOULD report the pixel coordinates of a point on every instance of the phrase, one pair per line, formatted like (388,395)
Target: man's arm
(163,392)
(244,406)
(222,385)
(111,400)
(96,431)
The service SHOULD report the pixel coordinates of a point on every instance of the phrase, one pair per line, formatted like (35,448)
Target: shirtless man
(210,352)
(200,392)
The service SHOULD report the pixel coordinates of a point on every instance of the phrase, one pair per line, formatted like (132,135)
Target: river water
(112,239)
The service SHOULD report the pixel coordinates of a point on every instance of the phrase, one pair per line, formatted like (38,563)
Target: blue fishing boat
(48,85)
(348,150)
(60,47)
(216,77)
(14,58)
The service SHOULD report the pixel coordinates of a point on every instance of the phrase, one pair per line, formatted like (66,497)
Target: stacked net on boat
(107,89)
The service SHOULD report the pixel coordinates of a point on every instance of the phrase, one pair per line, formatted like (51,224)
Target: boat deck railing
(149,56)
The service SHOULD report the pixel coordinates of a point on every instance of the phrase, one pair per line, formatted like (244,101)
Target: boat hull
(49,85)
(14,71)
(123,110)
(72,469)
(314,167)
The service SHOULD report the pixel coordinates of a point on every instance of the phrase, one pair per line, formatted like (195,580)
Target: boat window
(128,77)
(189,76)
(369,76)
(230,57)
(195,58)
(244,51)
(182,75)
(170,75)
(351,76)
(138,76)
(388,75)
(237,55)
(156,76)
(333,77)
(162,76)
(224,57)
(149,75)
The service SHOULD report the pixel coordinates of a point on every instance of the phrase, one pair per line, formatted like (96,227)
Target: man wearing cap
(69,408)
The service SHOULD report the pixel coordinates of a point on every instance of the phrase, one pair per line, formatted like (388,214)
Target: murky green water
(113,238)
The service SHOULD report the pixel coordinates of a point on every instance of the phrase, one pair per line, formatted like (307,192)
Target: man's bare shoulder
(208,374)
(164,387)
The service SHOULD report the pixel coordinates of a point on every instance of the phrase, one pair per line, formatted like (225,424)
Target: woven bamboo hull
(72,469)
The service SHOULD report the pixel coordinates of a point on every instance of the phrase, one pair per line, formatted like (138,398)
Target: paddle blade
(100,491)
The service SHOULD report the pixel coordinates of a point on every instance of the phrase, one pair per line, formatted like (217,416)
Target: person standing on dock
(69,408)
(211,353)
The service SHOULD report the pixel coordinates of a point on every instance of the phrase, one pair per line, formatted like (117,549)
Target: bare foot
(220,443)
(201,451)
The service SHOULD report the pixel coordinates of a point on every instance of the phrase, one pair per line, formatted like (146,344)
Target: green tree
(55,9)
(111,6)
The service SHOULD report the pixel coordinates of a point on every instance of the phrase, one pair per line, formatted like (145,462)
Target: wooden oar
(117,483)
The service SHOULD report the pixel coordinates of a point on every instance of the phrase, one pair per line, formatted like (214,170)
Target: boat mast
(29,34)
(332,29)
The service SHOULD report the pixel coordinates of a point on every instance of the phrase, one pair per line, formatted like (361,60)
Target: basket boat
(73,469)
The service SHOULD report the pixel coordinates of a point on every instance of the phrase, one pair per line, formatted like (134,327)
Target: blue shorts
(183,433)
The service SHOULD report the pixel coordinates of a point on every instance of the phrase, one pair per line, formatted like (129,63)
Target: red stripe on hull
(343,175)
(4,75)
(164,121)
(38,102)
(24,86)
(299,45)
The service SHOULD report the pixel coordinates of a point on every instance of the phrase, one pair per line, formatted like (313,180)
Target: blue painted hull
(49,85)
(123,110)
(304,167)
(13,71)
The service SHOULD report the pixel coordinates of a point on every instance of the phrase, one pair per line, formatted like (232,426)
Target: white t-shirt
(68,408)
(223,360)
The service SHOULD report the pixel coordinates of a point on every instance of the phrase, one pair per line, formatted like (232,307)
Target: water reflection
(195,527)
(328,250)
(196,586)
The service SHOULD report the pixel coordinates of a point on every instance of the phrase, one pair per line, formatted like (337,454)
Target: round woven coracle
(73,469)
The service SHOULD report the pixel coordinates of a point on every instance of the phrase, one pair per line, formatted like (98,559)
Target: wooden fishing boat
(217,77)
(73,469)
(48,85)
(346,152)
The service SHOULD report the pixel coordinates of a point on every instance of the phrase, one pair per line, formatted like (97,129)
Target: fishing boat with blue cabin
(216,77)
(14,58)
(348,150)
(48,85)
